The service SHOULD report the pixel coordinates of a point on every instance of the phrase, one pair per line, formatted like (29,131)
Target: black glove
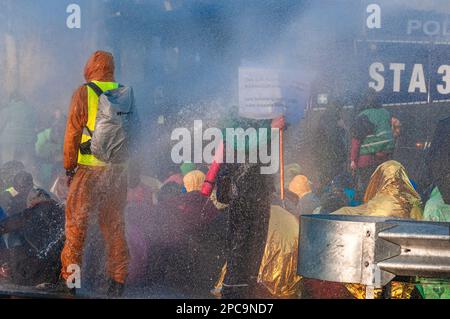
(70,174)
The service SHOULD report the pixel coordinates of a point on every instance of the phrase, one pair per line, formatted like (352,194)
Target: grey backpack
(116,118)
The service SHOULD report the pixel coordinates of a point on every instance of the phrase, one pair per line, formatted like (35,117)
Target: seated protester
(388,194)
(307,201)
(290,171)
(197,211)
(436,210)
(41,227)
(281,250)
(193,181)
(180,252)
(278,268)
(186,222)
(7,172)
(14,200)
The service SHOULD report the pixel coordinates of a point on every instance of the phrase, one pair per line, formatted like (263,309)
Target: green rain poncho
(436,210)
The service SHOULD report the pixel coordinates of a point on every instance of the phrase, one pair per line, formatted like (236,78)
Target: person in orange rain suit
(85,174)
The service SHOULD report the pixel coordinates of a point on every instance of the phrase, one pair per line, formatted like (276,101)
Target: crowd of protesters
(240,242)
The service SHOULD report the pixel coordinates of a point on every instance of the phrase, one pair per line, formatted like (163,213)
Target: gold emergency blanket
(278,270)
(390,194)
(399,291)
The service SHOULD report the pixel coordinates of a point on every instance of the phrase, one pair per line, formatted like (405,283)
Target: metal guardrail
(372,250)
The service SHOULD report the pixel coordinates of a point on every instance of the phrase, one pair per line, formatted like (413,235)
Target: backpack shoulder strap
(97,91)
(95,88)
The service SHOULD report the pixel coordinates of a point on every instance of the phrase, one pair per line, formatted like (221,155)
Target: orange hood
(100,67)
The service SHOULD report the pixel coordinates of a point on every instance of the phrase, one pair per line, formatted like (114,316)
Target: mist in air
(182,58)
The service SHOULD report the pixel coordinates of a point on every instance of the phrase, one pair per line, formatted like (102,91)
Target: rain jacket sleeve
(76,121)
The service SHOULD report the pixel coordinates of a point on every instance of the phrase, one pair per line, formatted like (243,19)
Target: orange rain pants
(103,191)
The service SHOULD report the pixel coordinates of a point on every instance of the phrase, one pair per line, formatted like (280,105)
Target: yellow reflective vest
(91,160)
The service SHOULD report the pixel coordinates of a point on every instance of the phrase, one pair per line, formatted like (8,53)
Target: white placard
(268,93)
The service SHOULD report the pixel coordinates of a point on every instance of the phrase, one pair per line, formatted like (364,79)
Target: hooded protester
(372,139)
(199,217)
(41,227)
(197,211)
(93,186)
(389,194)
(290,171)
(248,193)
(193,180)
(307,202)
